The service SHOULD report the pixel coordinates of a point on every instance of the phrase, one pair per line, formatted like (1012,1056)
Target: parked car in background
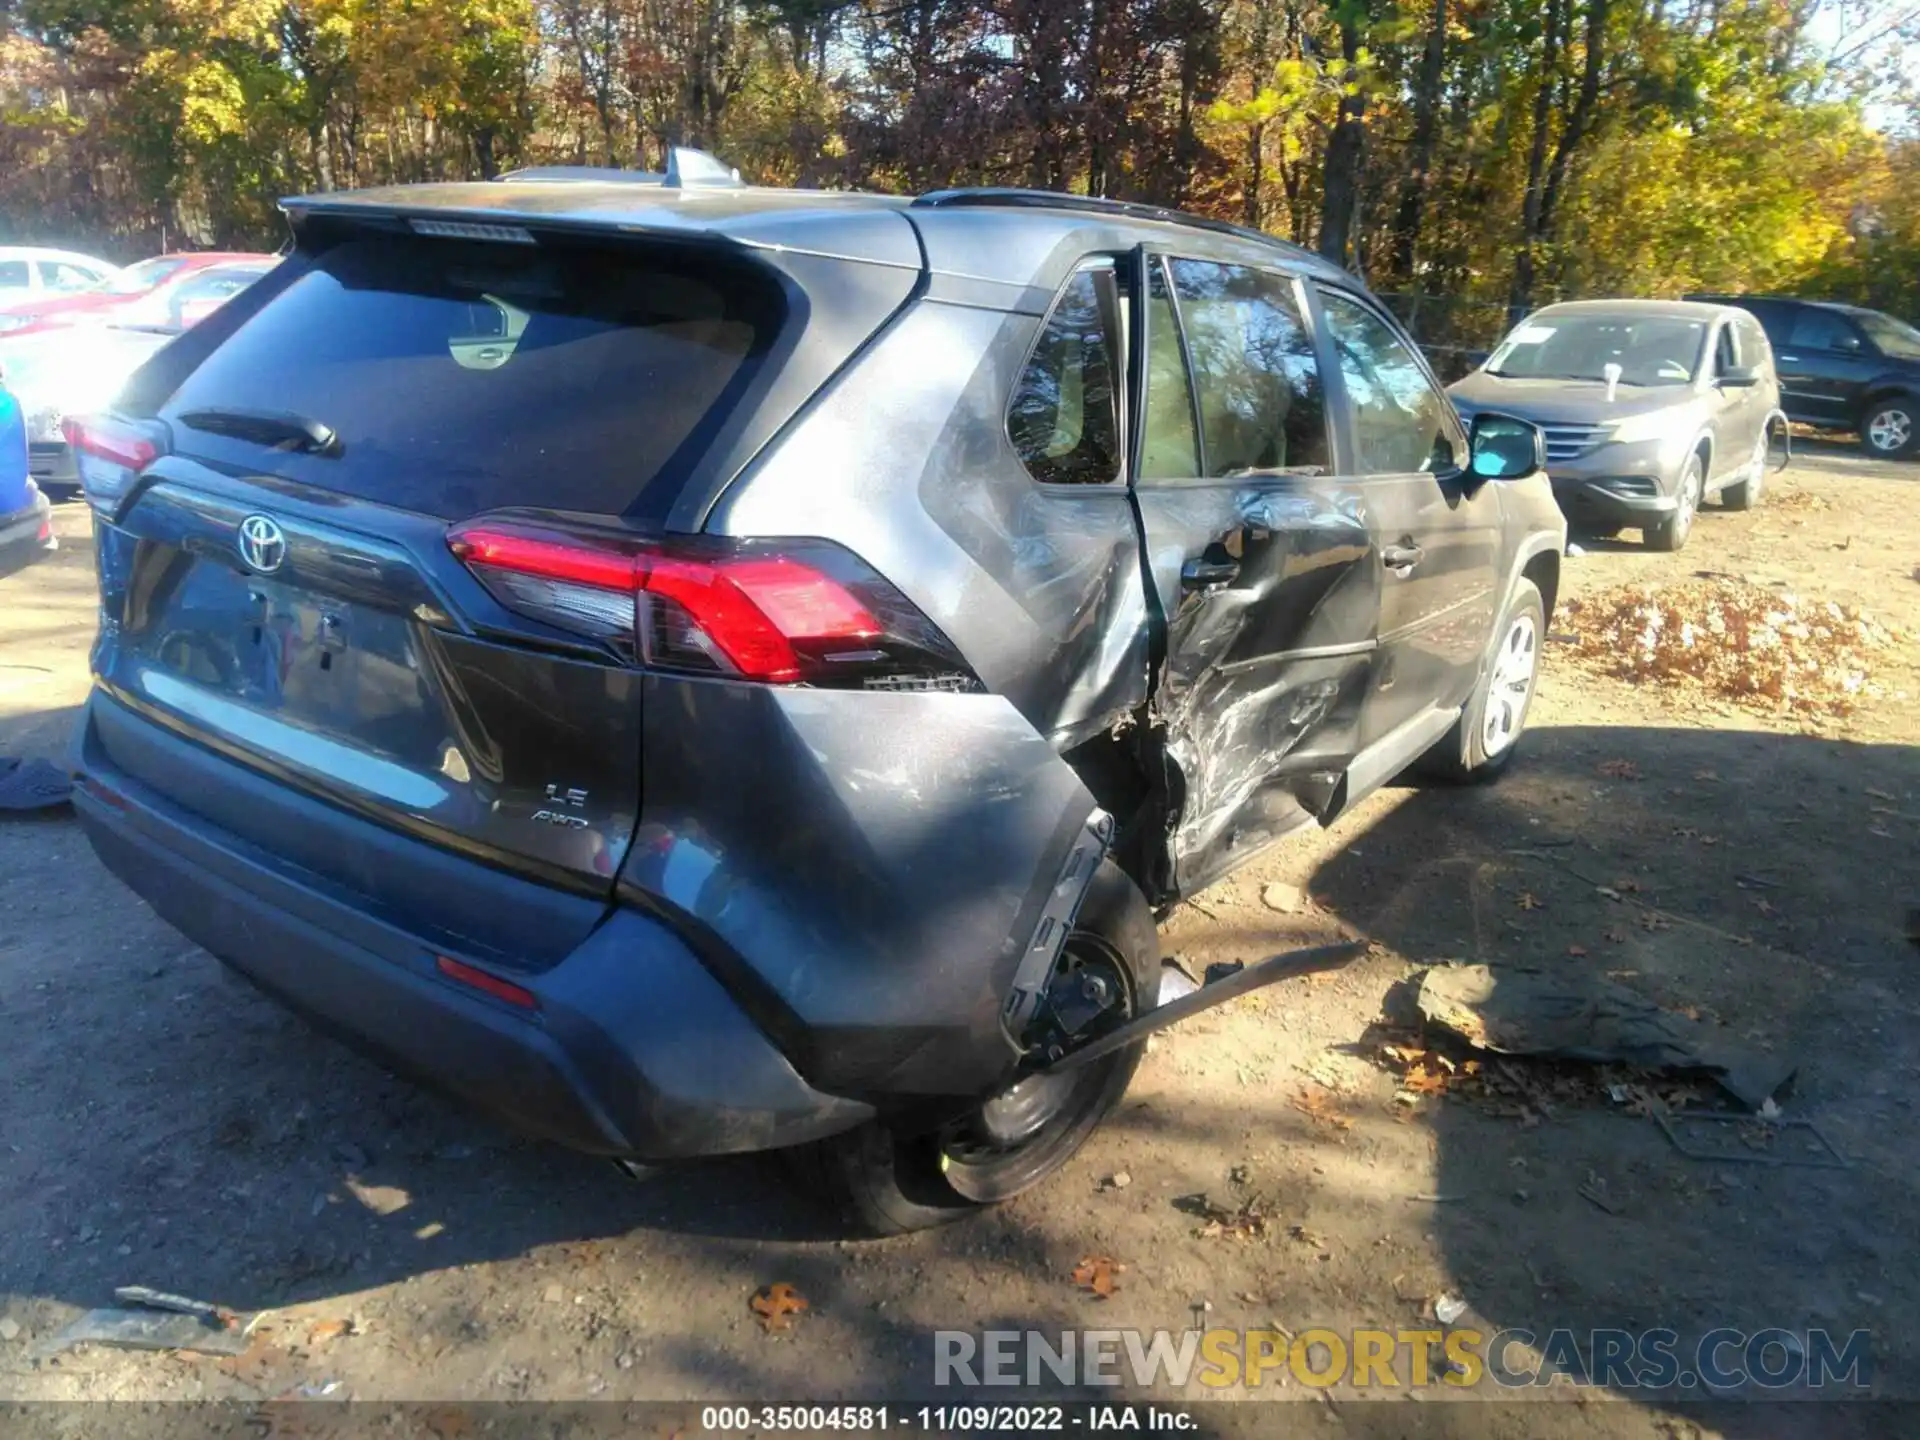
(26,521)
(145,285)
(70,370)
(29,273)
(57,373)
(1843,367)
(722,676)
(1649,408)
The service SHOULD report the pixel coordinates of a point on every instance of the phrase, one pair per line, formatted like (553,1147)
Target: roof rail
(1012,196)
(687,169)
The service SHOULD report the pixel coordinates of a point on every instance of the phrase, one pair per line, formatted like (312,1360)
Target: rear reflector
(776,611)
(491,984)
(110,453)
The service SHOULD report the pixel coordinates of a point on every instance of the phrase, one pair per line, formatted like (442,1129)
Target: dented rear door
(1261,563)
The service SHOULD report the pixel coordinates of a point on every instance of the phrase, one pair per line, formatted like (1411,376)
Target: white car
(30,273)
(69,372)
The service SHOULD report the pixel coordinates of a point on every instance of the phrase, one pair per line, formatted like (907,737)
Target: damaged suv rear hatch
(283,499)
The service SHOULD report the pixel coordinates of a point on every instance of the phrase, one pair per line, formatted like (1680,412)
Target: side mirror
(1506,448)
(1739,377)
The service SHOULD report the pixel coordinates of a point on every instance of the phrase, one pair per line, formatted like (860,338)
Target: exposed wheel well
(1890,392)
(1544,571)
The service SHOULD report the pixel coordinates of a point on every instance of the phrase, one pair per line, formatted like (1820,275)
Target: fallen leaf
(1620,769)
(329,1330)
(1095,1273)
(1316,1106)
(1617,937)
(1576,950)
(1627,885)
(1878,794)
(1706,775)
(777,1305)
(1529,901)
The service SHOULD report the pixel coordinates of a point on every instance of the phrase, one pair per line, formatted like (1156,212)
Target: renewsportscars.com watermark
(1721,1360)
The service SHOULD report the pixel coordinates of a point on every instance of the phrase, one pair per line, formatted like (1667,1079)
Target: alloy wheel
(1510,686)
(1889,431)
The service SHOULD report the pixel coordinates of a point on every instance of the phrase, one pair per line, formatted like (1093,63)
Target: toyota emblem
(263,544)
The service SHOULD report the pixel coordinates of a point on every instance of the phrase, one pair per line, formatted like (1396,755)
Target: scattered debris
(1119,1180)
(1095,1273)
(1246,1221)
(777,1305)
(162,1300)
(1758,1141)
(154,1329)
(1448,1308)
(1619,769)
(1744,642)
(1529,901)
(9,1328)
(1594,1190)
(1317,1105)
(380,1199)
(1287,899)
(329,1330)
(1583,1017)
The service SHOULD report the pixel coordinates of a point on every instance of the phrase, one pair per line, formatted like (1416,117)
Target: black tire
(892,1176)
(1464,756)
(1891,427)
(1746,495)
(1670,534)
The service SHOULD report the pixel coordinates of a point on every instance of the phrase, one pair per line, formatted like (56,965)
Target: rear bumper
(50,462)
(634,1049)
(24,533)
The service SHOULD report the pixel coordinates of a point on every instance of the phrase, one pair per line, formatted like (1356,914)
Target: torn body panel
(1271,596)
(864,871)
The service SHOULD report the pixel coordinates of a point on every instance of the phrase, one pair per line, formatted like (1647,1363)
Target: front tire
(1888,429)
(891,1176)
(1670,534)
(1481,744)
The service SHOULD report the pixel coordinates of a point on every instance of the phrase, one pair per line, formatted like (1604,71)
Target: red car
(129,297)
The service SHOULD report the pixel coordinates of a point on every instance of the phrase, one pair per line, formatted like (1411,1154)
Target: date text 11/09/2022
(945,1418)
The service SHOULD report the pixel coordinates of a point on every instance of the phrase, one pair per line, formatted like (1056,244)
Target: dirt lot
(163,1126)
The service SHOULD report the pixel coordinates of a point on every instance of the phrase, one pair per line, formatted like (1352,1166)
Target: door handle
(1202,574)
(1401,558)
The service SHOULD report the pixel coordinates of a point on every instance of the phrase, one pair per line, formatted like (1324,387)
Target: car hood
(1563,402)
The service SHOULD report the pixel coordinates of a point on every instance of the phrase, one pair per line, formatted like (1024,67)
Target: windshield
(144,276)
(1892,337)
(1654,350)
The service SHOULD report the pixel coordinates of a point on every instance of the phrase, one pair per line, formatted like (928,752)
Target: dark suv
(1843,368)
(701,669)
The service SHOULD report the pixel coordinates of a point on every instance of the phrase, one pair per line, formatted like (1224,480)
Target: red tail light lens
(487,982)
(782,612)
(110,453)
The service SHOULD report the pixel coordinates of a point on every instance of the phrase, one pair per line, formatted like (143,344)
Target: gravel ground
(163,1125)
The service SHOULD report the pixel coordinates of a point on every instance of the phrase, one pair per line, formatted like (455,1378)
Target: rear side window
(1064,417)
(1822,330)
(1402,425)
(13,275)
(1754,351)
(463,377)
(1254,368)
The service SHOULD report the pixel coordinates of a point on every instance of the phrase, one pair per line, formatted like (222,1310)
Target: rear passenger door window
(1064,419)
(1402,424)
(1254,370)
(1823,330)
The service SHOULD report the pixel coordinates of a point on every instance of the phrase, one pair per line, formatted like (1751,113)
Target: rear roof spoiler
(687,169)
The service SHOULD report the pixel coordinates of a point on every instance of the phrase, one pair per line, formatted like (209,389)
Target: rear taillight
(779,611)
(110,453)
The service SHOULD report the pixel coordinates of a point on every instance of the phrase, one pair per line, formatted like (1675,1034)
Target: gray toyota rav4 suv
(698,669)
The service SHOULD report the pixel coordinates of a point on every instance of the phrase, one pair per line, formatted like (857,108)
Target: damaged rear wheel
(891,1176)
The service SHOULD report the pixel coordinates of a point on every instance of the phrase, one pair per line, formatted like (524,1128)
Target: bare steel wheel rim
(1511,686)
(1890,429)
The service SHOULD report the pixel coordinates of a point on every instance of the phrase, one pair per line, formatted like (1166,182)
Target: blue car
(26,524)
